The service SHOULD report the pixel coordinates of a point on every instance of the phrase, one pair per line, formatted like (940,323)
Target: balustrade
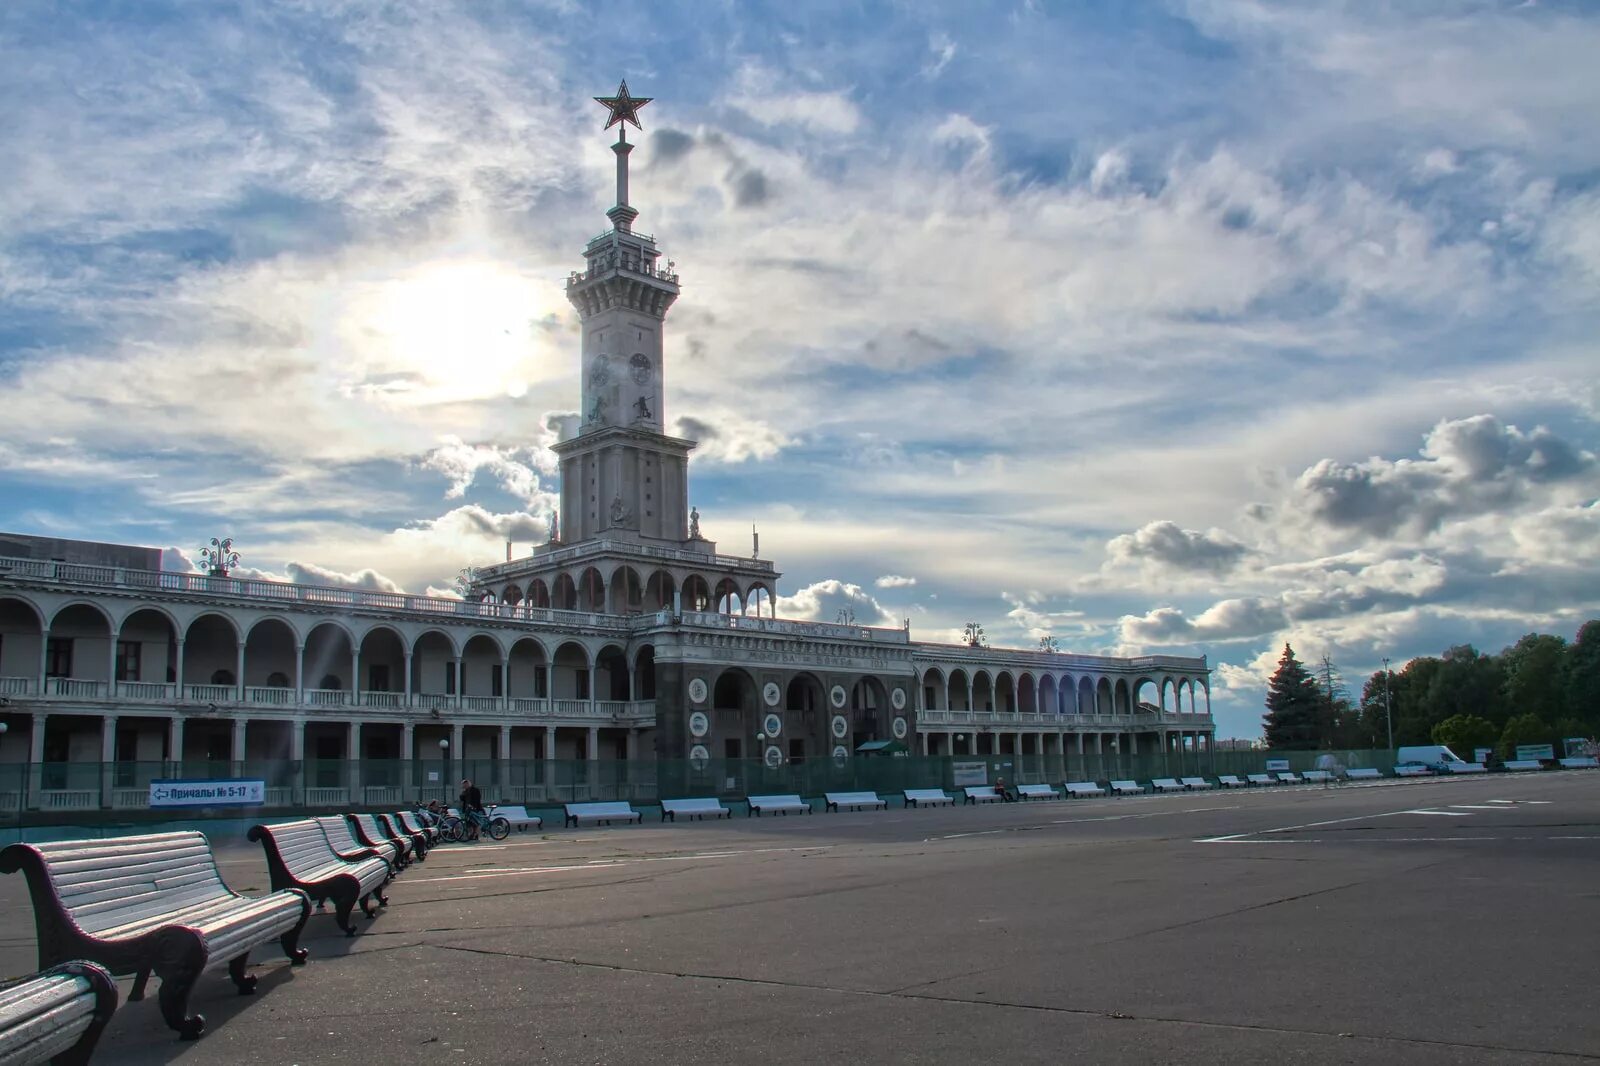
(144,690)
(77,687)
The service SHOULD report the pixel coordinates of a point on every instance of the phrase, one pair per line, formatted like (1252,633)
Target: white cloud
(833,600)
(895,581)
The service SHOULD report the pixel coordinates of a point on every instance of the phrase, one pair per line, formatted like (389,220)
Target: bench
(1127,788)
(1198,784)
(1232,781)
(1289,777)
(1165,784)
(1083,788)
(982,794)
(342,838)
(518,816)
(853,801)
(1580,762)
(1041,792)
(300,855)
(928,797)
(56,1016)
(1412,771)
(697,807)
(419,840)
(152,904)
(411,823)
(370,833)
(784,805)
(1261,779)
(1317,777)
(601,813)
(1467,768)
(1523,764)
(1365,773)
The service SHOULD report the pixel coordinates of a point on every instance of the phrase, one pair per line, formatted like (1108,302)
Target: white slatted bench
(369,832)
(518,816)
(1412,771)
(853,801)
(1261,779)
(1466,768)
(300,855)
(1165,784)
(413,824)
(694,807)
(152,904)
(1127,788)
(982,794)
(1076,789)
(784,805)
(342,838)
(1523,764)
(55,1016)
(1317,777)
(1198,784)
(1580,762)
(1232,781)
(1041,792)
(391,824)
(928,797)
(601,813)
(1289,777)
(1364,773)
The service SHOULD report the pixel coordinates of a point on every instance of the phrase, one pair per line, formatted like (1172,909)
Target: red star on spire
(624,108)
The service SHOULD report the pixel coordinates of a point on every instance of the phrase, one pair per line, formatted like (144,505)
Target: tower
(622,477)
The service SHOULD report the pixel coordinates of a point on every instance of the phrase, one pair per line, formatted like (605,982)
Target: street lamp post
(444,766)
(1388,713)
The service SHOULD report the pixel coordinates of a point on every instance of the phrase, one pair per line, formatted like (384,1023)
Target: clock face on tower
(600,371)
(642,370)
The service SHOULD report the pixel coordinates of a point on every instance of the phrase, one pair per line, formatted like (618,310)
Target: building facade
(628,639)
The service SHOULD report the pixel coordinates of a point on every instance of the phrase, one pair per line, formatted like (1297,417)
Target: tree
(1534,676)
(1581,675)
(1524,729)
(1372,725)
(1466,682)
(1293,705)
(1462,733)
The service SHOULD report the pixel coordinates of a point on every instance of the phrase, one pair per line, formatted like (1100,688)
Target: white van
(1435,757)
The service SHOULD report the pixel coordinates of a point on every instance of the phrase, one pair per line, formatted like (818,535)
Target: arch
(869,695)
(1183,687)
(1123,700)
(210,643)
(147,646)
(932,688)
(81,614)
(481,662)
(1047,700)
(758,600)
(21,638)
(1066,695)
(982,691)
(564,593)
(591,590)
(644,672)
(627,591)
(433,663)
(659,590)
(1169,694)
(696,593)
(511,596)
(612,680)
(528,670)
(1005,693)
(727,597)
(1087,698)
(960,690)
(1136,692)
(1027,694)
(327,653)
(269,648)
(166,616)
(538,594)
(23,601)
(381,660)
(735,690)
(804,692)
(569,672)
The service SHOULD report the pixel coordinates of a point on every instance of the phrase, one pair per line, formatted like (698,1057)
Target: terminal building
(627,640)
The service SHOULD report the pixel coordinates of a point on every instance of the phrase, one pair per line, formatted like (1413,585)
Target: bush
(1524,729)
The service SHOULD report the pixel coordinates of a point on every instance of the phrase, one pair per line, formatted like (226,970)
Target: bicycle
(461,830)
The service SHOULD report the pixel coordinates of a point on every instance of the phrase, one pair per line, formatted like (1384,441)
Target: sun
(447,331)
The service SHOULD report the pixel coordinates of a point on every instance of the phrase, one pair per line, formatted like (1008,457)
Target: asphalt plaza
(1433,921)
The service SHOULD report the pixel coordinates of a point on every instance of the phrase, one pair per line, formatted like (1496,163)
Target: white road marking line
(726,854)
(511,871)
(1444,814)
(1474,807)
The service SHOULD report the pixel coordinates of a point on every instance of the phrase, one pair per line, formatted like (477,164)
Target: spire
(623,110)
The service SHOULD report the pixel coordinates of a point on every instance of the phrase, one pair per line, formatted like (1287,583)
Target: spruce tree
(1293,706)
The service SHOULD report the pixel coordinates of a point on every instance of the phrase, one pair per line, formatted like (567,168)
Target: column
(299,674)
(455,665)
(355,674)
(592,750)
(297,756)
(505,759)
(175,741)
(504,670)
(352,756)
(238,742)
(238,676)
(44,665)
(177,673)
(922,736)
(111,667)
(408,750)
(408,677)
(633,745)
(456,751)
(549,761)
(36,757)
(108,756)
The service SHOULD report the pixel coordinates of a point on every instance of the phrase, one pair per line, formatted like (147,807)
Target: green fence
(54,792)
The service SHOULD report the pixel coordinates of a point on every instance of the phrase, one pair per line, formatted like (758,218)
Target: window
(58,657)
(331,682)
(497,687)
(581,681)
(541,683)
(378,677)
(128,660)
(449,679)
(730,748)
(222,677)
(277,679)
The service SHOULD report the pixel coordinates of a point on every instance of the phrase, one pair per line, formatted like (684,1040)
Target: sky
(1183,328)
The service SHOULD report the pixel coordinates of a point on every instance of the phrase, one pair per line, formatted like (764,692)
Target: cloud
(461,463)
(1468,467)
(895,581)
(730,438)
(943,50)
(1228,620)
(368,579)
(1167,545)
(831,599)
